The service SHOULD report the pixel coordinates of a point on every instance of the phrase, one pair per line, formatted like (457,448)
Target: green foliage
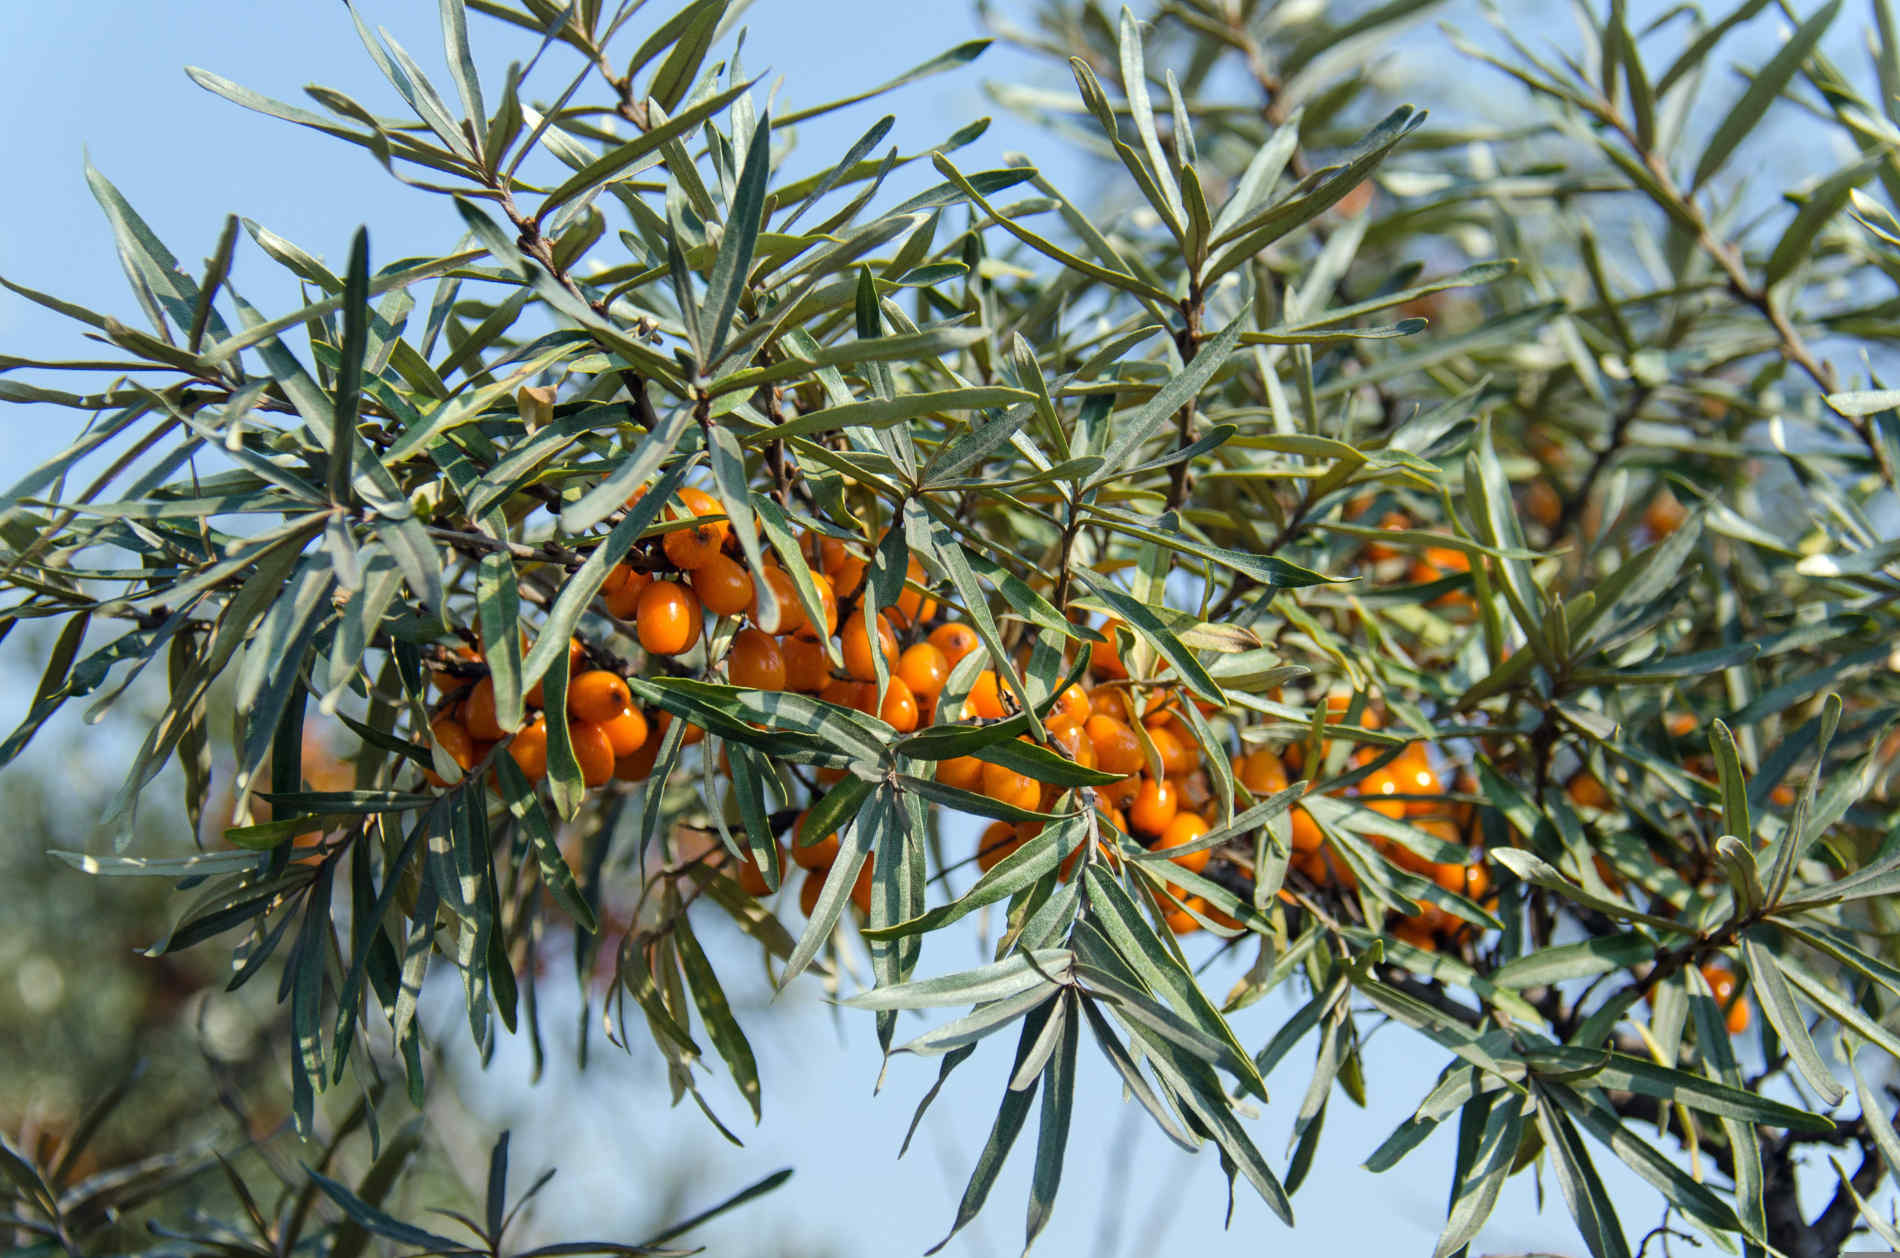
(1328,403)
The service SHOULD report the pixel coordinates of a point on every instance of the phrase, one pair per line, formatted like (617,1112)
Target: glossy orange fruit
(1154,806)
(1117,750)
(790,613)
(899,709)
(964,773)
(1261,772)
(723,586)
(752,879)
(755,661)
(637,765)
(1105,658)
(688,548)
(478,711)
(667,618)
(1007,786)
(597,695)
(985,700)
(1183,830)
(1178,755)
(808,891)
(1073,740)
(817,854)
(621,590)
(530,749)
(576,656)
(822,552)
(663,720)
(593,751)
(627,732)
(1586,791)
(924,669)
(998,841)
(912,607)
(954,640)
(456,741)
(806,667)
(854,643)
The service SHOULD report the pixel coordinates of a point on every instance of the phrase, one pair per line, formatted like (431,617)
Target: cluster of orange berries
(815,857)
(1726,989)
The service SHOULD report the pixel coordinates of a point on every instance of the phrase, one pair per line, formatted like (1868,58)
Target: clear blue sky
(106,77)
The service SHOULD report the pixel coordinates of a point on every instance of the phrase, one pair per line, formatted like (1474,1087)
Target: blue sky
(106,78)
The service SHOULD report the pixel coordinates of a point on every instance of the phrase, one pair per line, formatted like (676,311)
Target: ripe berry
(455,740)
(964,773)
(1072,704)
(1116,748)
(913,608)
(1183,830)
(689,548)
(755,661)
(855,644)
(789,616)
(808,891)
(597,695)
(627,732)
(806,667)
(899,709)
(1105,658)
(621,590)
(479,712)
(812,855)
(1178,756)
(1007,786)
(592,751)
(667,619)
(998,841)
(954,640)
(723,586)
(985,700)
(576,656)
(530,749)
(924,669)
(827,604)
(751,878)
(1154,807)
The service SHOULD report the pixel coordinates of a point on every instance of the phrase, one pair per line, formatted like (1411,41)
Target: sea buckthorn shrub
(1443,574)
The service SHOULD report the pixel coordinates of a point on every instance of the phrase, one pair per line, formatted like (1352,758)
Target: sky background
(105,79)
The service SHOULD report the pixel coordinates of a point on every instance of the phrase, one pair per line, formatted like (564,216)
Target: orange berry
(1183,830)
(479,712)
(1586,791)
(817,854)
(597,695)
(752,879)
(1073,741)
(986,698)
(963,773)
(1109,701)
(663,720)
(1072,704)
(456,741)
(1413,931)
(1307,837)
(821,552)
(723,586)
(998,841)
(848,577)
(593,751)
(1477,879)
(791,612)
(530,749)
(1378,786)
(621,590)
(755,661)
(1179,920)
(1117,750)
(1543,504)
(1178,756)
(1007,786)
(924,669)
(855,644)
(954,640)
(576,656)
(806,667)
(667,618)
(1119,794)
(808,891)
(899,709)
(1261,772)
(636,765)
(1105,658)
(827,604)
(1664,514)
(692,547)
(627,732)
(1392,521)
(861,889)
(1155,806)
(843,691)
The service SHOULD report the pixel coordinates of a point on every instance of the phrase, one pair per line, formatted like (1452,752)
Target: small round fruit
(998,841)
(855,644)
(789,613)
(638,764)
(985,700)
(691,547)
(755,661)
(899,709)
(813,855)
(1306,835)
(667,619)
(1105,658)
(621,590)
(479,712)
(626,732)
(456,741)
(1117,750)
(663,720)
(1183,830)
(1006,786)
(1072,704)
(592,751)
(954,640)
(576,656)
(924,669)
(530,749)
(963,773)
(751,878)
(1586,791)
(861,889)
(808,891)
(912,607)
(1178,756)
(806,668)
(1155,806)
(723,586)
(597,695)
(827,606)
(1262,773)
